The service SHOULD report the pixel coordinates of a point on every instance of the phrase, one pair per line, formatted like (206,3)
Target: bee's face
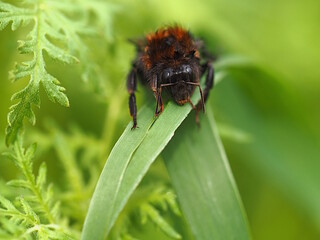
(179,81)
(181,73)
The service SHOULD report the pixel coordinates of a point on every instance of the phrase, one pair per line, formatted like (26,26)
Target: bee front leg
(157,93)
(132,87)
(159,106)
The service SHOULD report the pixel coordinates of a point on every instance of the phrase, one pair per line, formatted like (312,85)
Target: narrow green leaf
(98,222)
(202,178)
(127,164)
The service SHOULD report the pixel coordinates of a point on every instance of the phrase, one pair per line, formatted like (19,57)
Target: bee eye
(166,73)
(188,69)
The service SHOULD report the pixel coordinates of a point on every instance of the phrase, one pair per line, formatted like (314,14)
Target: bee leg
(157,93)
(159,106)
(209,81)
(193,106)
(132,87)
(208,85)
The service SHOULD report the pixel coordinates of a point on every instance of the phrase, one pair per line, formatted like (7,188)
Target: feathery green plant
(57,29)
(165,199)
(37,214)
(147,203)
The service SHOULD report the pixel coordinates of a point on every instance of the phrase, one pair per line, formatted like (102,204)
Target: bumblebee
(170,59)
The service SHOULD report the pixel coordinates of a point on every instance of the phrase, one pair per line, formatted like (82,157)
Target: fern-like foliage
(79,156)
(36,215)
(163,198)
(57,29)
(148,202)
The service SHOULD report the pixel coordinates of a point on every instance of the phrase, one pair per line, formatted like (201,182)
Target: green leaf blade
(202,178)
(127,164)
(103,195)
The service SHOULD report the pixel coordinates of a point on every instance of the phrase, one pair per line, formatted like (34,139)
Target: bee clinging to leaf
(170,59)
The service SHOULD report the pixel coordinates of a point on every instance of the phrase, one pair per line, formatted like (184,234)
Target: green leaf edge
(171,117)
(175,164)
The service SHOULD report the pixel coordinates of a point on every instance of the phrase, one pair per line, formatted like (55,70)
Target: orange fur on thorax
(157,48)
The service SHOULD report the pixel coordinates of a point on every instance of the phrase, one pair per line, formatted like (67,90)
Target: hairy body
(169,58)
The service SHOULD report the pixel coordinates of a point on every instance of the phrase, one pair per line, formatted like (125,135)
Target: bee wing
(139,43)
(204,52)
(199,43)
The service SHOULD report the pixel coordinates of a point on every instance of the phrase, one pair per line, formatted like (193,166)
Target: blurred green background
(268,112)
